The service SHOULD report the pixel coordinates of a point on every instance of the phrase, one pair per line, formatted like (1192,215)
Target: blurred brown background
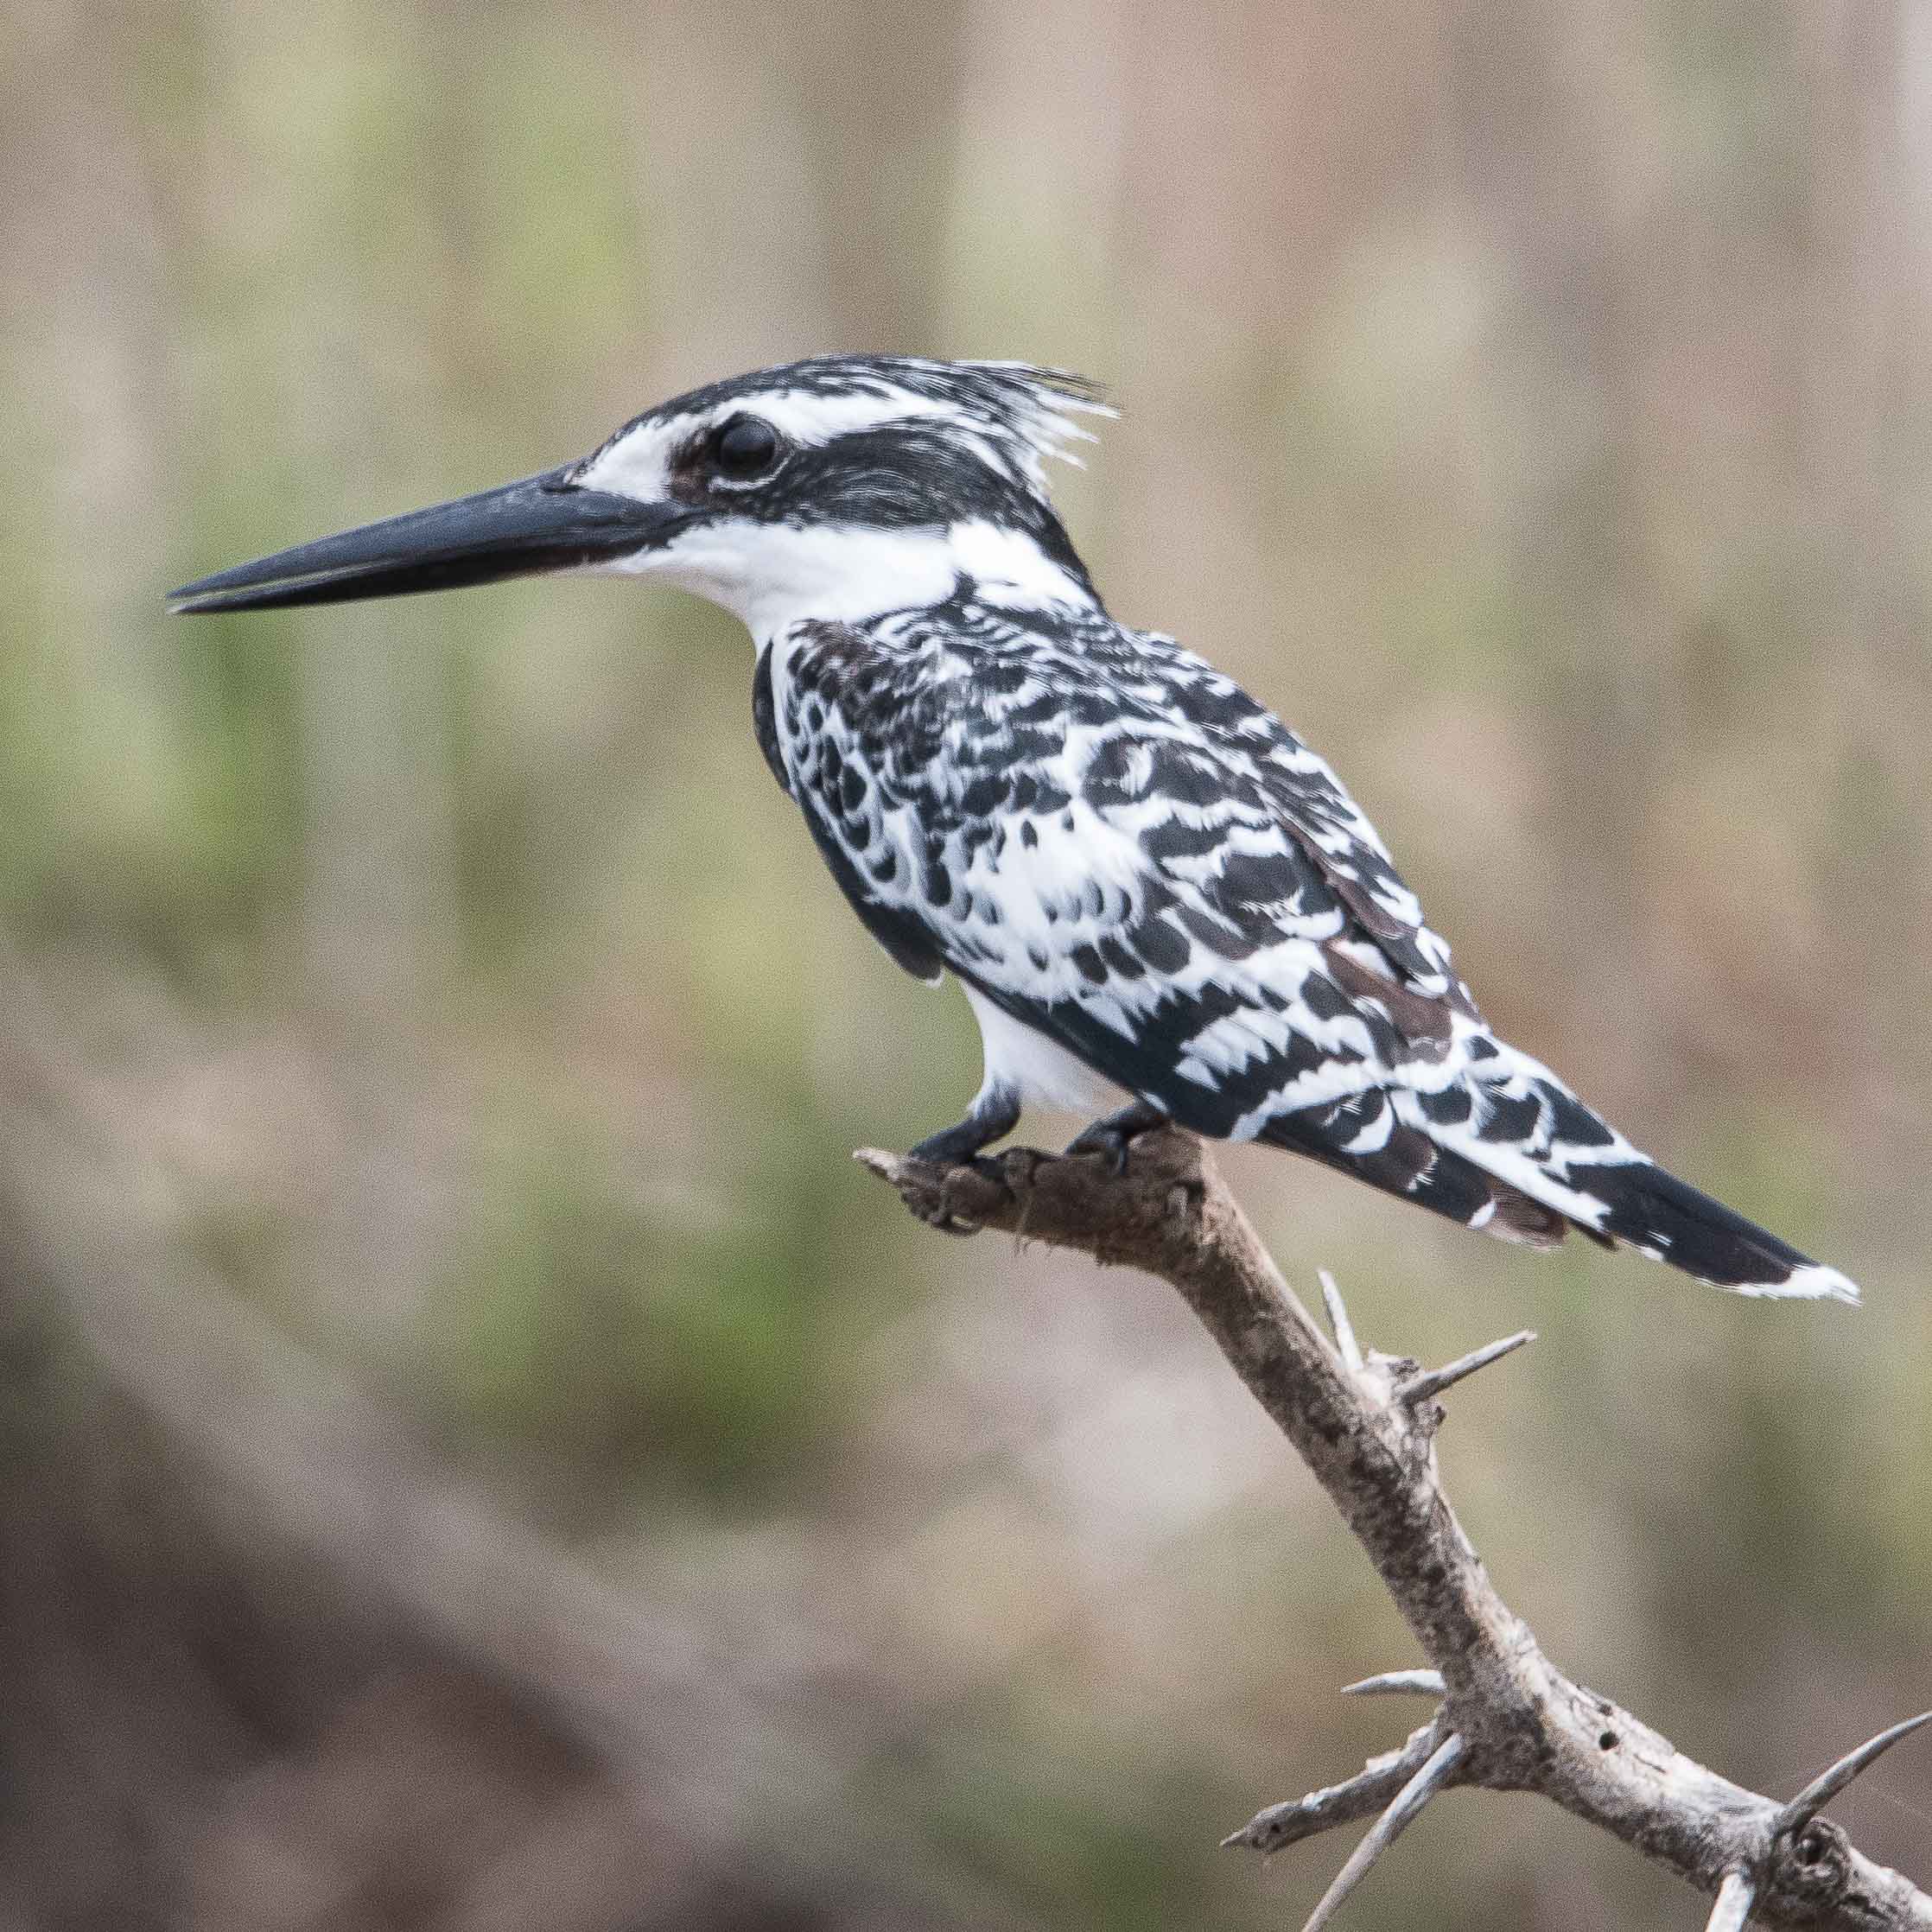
(476,1454)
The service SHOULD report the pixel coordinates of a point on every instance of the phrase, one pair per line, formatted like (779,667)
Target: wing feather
(1116,846)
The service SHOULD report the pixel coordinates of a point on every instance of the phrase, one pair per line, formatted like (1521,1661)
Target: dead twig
(1364,1423)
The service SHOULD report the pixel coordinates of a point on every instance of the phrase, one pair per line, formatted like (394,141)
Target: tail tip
(1813,1281)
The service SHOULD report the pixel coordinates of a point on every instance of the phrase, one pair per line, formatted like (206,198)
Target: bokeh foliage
(1530,402)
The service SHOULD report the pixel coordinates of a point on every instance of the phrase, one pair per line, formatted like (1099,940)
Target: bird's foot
(1111,1135)
(995,1113)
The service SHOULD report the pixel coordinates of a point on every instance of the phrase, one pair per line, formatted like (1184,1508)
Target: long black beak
(543,522)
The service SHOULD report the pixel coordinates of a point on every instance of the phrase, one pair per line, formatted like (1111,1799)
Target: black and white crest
(1161,903)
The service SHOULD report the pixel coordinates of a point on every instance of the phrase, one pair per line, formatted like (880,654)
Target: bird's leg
(1110,1136)
(995,1112)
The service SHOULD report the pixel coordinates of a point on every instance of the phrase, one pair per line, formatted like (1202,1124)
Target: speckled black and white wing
(1116,847)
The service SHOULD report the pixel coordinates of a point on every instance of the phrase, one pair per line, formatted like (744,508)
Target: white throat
(770,576)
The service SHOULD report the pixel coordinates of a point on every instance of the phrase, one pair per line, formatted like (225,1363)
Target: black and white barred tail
(1650,1209)
(1534,1185)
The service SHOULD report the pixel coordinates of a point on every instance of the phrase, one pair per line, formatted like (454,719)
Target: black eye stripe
(745,448)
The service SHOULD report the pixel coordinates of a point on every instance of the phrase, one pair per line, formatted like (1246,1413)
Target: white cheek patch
(771,575)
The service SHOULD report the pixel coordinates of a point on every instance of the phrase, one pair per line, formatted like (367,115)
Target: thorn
(1338,1320)
(1827,1784)
(1735,1896)
(1431,1382)
(1398,1683)
(1386,1828)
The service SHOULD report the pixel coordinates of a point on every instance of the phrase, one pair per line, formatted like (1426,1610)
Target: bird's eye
(743,449)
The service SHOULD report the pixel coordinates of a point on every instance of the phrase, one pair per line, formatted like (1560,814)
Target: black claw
(1111,1136)
(946,1221)
(1109,1142)
(941,1213)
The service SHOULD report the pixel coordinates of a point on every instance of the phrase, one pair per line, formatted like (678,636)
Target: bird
(1163,907)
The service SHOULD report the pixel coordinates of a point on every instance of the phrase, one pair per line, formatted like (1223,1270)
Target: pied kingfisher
(1161,905)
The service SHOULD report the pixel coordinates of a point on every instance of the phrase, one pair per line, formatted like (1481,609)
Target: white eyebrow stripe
(812,419)
(806,416)
(638,463)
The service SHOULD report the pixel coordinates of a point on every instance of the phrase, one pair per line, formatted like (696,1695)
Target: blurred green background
(479,1455)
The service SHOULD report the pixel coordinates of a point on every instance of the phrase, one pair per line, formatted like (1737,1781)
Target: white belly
(1045,1075)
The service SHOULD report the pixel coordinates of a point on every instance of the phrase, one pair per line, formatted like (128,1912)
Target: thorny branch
(1364,1423)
